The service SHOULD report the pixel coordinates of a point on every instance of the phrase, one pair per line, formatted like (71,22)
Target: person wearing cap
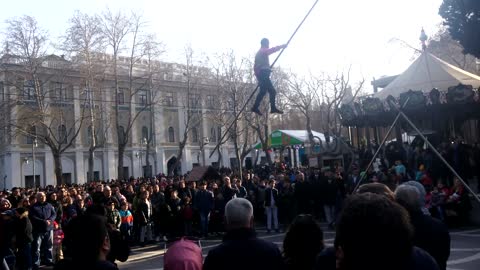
(241,240)
(183,255)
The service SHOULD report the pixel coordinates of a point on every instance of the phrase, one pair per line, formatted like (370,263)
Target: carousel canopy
(282,137)
(428,72)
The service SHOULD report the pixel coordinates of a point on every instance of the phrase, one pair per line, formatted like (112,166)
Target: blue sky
(338,33)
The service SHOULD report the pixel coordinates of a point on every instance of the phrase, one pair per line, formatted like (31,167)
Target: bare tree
(133,79)
(334,91)
(41,90)
(85,41)
(233,81)
(190,103)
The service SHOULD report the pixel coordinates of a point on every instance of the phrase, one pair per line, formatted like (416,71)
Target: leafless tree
(41,86)
(126,34)
(189,102)
(85,42)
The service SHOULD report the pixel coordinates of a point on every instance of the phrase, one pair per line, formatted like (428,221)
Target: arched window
(194,135)
(213,135)
(145,134)
(171,134)
(32,133)
(62,134)
(121,133)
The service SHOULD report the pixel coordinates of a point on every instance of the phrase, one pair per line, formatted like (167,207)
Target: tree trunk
(57,161)
(121,152)
(91,154)
(147,171)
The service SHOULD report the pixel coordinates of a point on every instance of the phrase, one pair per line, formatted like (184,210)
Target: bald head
(238,214)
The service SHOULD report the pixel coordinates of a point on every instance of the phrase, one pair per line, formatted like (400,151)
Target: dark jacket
(39,214)
(204,201)
(144,210)
(23,230)
(256,254)
(71,265)
(268,197)
(420,260)
(432,236)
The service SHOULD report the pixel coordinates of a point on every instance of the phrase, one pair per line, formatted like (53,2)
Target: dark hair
(373,232)
(377,188)
(303,241)
(84,238)
(264,42)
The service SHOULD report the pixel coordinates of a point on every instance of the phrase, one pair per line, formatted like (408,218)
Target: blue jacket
(204,201)
(39,214)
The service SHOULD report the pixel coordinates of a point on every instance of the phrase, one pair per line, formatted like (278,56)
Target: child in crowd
(127,221)
(57,242)
(187,214)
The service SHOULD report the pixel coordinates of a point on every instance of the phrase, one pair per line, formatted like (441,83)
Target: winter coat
(204,201)
(39,214)
(257,254)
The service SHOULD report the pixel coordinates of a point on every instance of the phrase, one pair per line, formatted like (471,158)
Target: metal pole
(438,154)
(380,146)
(256,88)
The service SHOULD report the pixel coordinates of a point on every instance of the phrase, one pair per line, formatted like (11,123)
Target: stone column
(49,168)
(77,115)
(161,162)
(13,171)
(80,171)
(109,165)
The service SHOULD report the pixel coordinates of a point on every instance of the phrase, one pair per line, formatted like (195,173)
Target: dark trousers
(265,85)
(42,242)
(24,257)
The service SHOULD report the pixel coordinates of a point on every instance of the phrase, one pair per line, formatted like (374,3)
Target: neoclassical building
(160,127)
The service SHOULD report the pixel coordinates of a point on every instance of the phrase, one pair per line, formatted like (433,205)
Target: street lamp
(144,142)
(26,161)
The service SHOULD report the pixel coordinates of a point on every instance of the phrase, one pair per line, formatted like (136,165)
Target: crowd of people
(38,225)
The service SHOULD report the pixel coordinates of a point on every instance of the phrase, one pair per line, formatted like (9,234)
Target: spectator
(271,201)
(57,242)
(145,217)
(183,255)
(42,216)
(204,204)
(303,241)
(87,244)
(375,233)
(241,239)
(23,239)
(127,221)
(15,197)
(113,216)
(430,234)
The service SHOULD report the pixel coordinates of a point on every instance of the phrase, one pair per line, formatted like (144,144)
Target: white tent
(428,72)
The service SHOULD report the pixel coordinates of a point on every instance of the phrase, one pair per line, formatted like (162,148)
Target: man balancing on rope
(262,72)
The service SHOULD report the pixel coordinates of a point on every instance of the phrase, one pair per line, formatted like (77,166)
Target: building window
(194,101)
(62,134)
(171,135)
(59,91)
(121,133)
(169,98)
(210,101)
(121,96)
(145,134)
(213,135)
(194,135)
(31,134)
(28,90)
(143,97)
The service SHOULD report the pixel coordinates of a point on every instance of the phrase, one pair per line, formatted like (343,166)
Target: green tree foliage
(462,17)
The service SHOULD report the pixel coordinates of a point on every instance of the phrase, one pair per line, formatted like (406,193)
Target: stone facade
(165,119)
